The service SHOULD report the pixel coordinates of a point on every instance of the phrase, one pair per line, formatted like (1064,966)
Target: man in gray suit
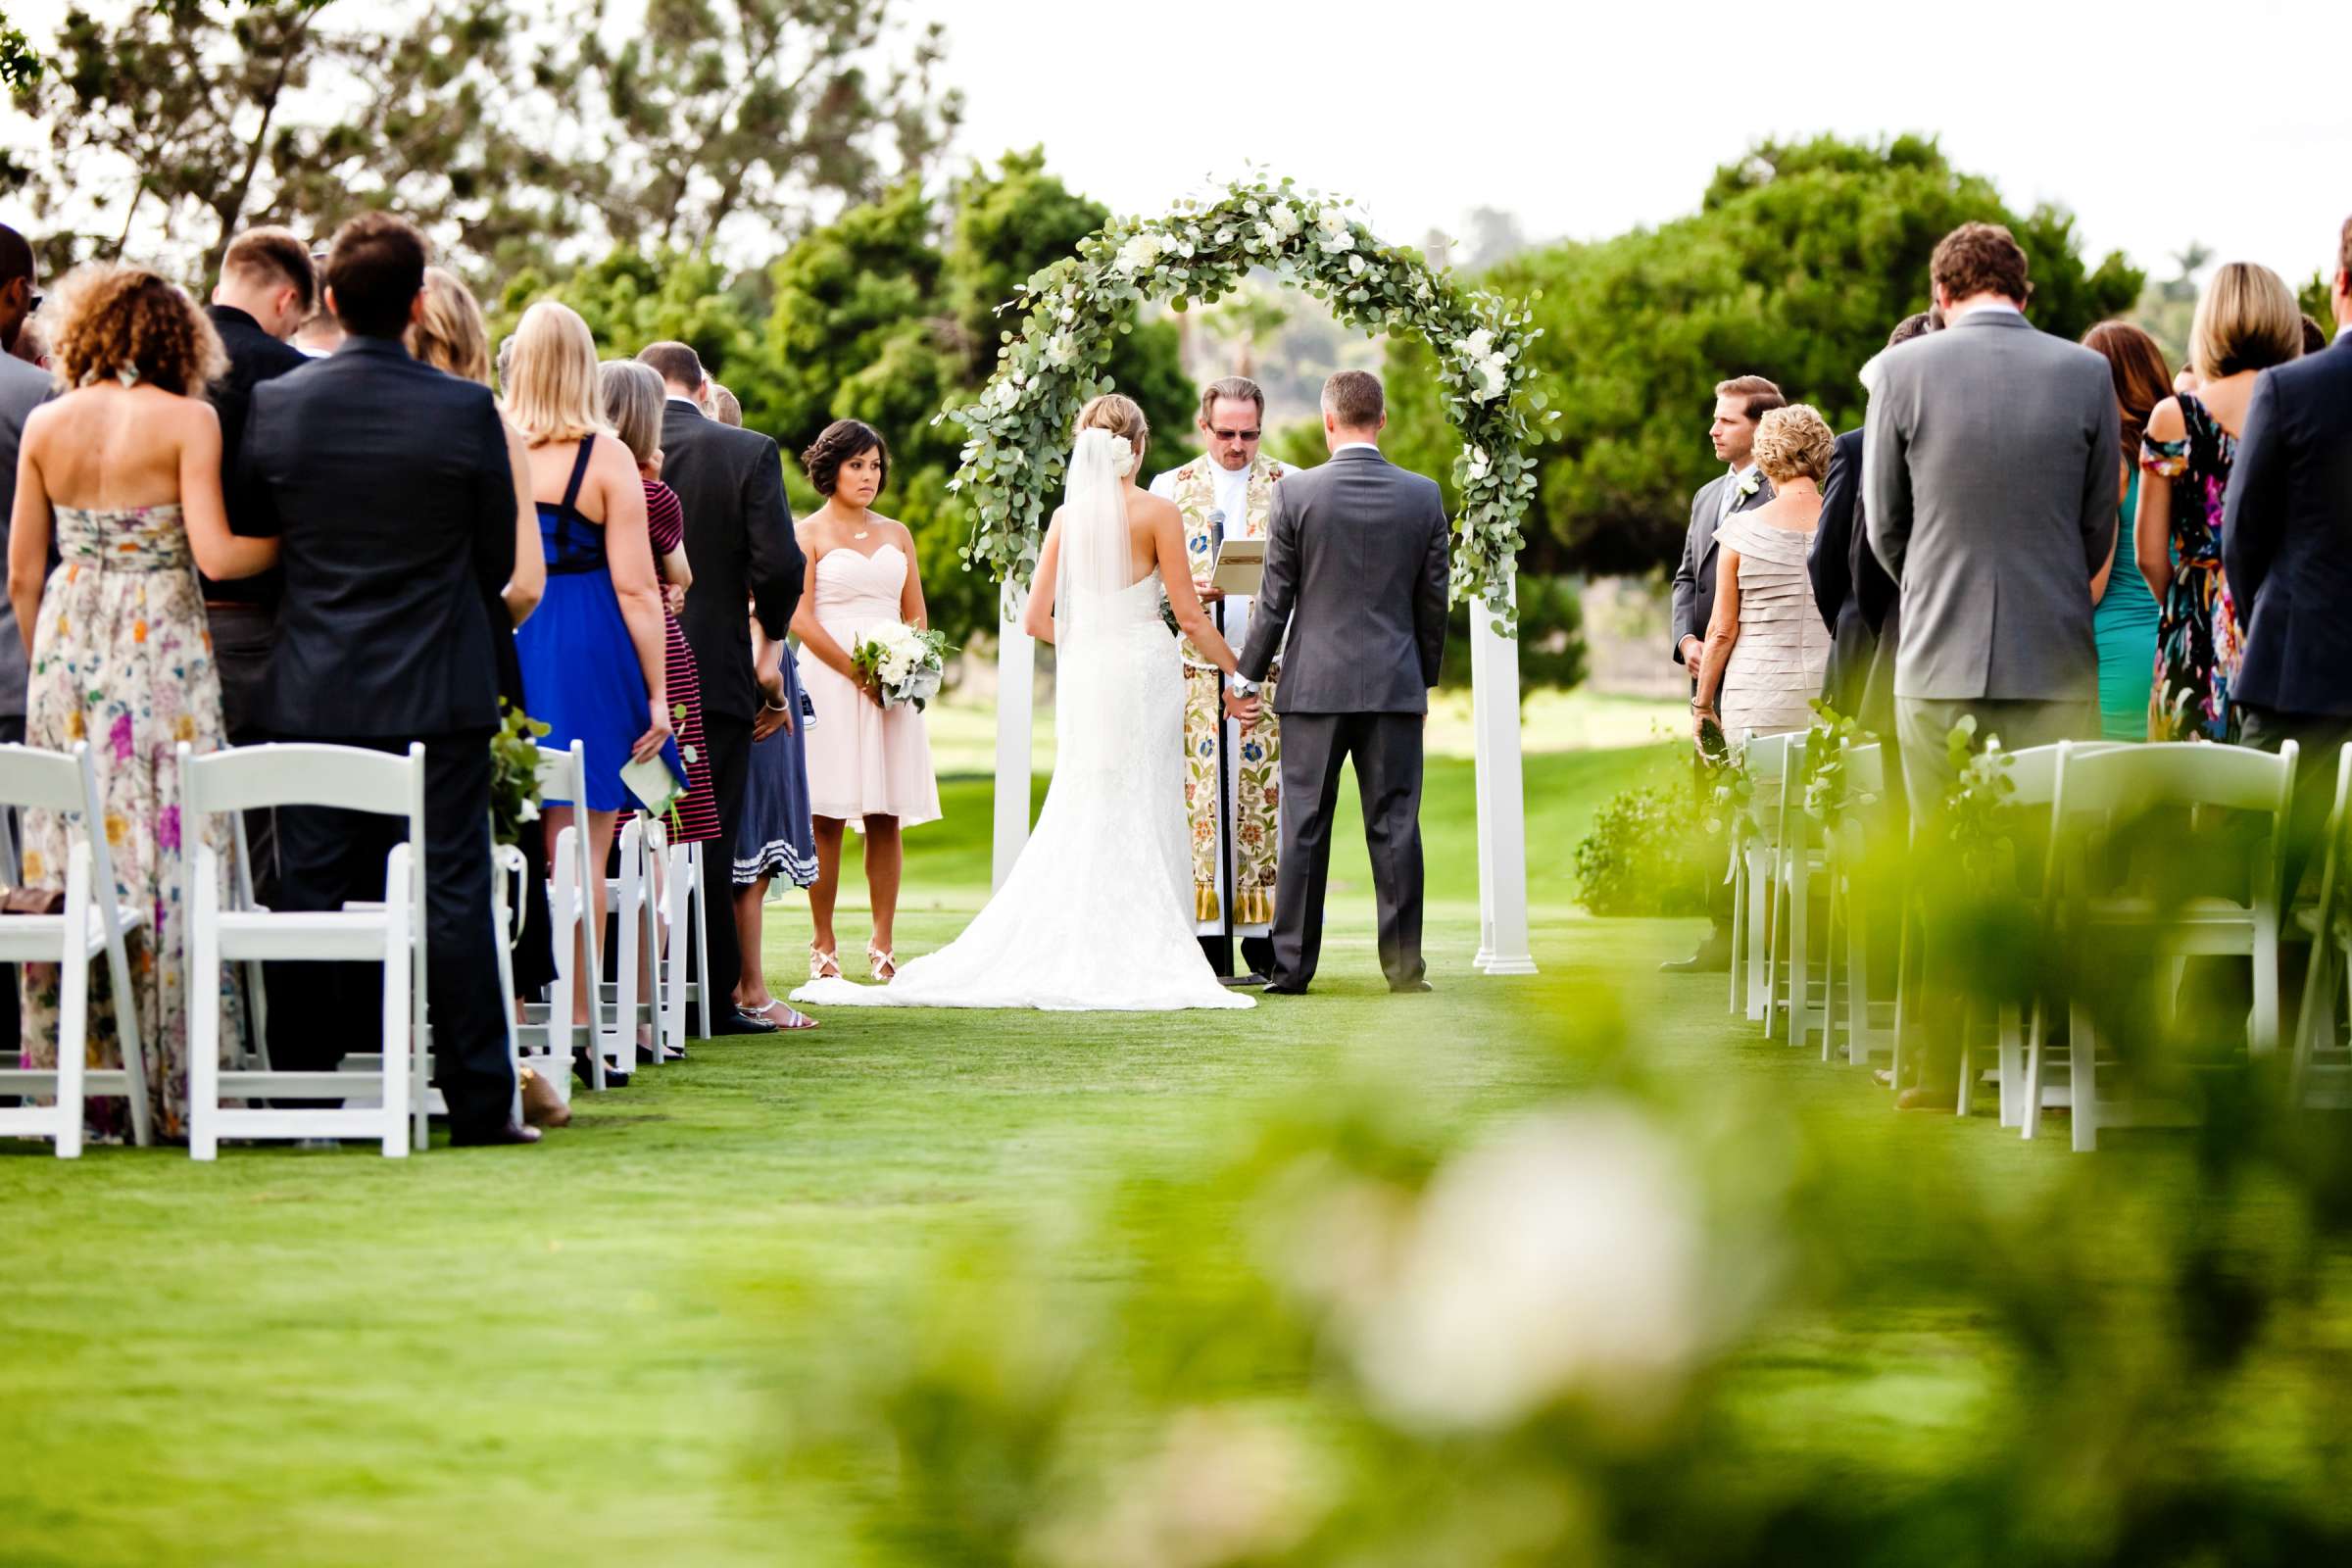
(1740,403)
(1356,571)
(23,388)
(1989,478)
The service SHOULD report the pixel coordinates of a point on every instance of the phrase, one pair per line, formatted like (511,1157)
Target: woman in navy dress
(593,659)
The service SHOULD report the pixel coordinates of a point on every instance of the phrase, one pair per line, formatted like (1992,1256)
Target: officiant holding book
(1232,778)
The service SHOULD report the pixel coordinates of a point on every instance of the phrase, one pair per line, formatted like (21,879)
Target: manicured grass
(576,1354)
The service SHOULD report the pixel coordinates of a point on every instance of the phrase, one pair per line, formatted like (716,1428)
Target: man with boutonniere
(1742,487)
(1232,776)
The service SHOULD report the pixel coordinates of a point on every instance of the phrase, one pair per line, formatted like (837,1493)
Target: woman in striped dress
(633,403)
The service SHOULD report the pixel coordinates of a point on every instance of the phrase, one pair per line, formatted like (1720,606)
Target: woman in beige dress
(1766,645)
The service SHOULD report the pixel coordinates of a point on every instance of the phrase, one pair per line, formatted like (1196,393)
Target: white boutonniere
(1749,483)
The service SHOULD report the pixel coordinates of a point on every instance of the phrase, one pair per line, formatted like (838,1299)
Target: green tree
(1796,264)
(750,113)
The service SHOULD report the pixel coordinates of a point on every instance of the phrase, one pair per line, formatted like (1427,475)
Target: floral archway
(1018,434)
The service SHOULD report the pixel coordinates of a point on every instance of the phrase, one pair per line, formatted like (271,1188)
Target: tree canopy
(1798,260)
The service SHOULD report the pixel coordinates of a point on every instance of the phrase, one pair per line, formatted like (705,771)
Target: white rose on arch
(1140,251)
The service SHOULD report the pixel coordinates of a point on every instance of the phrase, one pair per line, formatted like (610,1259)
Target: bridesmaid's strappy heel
(880,964)
(822,964)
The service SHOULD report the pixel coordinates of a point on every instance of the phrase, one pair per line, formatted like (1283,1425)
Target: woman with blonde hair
(1766,645)
(592,657)
(123,468)
(1097,915)
(2246,321)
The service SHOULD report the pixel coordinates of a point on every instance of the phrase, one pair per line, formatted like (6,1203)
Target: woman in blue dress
(593,657)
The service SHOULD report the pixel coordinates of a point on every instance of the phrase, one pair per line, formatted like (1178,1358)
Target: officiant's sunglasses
(1235,435)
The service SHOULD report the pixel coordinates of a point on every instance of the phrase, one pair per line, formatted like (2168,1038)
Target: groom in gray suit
(1356,571)
(1988,472)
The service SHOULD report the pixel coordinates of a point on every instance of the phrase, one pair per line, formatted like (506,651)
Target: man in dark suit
(746,562)
(268,289)
(2287,550)
(389,486)
(1740,403)
(1355,575)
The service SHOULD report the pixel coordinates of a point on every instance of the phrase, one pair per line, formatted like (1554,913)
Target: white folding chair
(92,924)
(2099,789)
(548,1028)
(346,778)
(1856,910)
(692,985)
(2323,1064)
(1755,875)
(637,941)
(1797,855)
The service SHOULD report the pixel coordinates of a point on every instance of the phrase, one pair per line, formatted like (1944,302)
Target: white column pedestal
(1502,947)
(1016,686)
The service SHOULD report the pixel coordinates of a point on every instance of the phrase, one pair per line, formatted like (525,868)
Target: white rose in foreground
(1566,1254)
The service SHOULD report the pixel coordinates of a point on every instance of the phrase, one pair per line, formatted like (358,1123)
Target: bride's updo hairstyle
(1120,415)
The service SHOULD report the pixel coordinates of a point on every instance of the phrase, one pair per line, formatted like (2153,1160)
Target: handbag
(32,900)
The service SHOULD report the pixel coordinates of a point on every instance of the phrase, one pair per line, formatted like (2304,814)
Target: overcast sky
(1586,120)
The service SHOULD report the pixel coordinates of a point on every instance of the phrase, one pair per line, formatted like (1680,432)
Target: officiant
(1232,779)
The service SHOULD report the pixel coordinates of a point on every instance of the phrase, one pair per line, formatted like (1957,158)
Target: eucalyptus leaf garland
(1018,429)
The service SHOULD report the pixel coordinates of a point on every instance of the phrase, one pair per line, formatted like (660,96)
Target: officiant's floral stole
(1257,757)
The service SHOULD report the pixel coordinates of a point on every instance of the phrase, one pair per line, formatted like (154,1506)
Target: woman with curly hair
(1766,645)
(124,469)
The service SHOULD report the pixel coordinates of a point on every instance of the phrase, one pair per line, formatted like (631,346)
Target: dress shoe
(1708,959)
(1410,987)
(586,1074)
(1919,1098)
(1241,982)
(513,1131)
(1277,988)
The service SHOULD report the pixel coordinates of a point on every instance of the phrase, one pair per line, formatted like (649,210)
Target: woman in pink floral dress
(124,468)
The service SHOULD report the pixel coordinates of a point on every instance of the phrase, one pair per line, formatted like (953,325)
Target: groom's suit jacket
(1695,573)
(1356,571)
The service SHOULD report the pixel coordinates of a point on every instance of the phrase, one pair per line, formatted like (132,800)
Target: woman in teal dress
(2123,613)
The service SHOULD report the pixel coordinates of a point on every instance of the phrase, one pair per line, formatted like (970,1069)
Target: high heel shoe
(822,964)
(882,965)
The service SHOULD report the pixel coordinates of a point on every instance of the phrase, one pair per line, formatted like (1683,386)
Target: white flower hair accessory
(1122,461)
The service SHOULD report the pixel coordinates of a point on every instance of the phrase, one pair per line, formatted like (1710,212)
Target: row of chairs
(1789,863)
(653,893)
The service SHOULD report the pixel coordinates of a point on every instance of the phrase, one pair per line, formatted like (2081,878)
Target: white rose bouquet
(905,665)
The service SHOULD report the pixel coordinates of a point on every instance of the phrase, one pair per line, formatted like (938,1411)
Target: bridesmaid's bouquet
(905,665)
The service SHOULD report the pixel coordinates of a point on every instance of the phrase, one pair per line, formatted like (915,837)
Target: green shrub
(1647,853)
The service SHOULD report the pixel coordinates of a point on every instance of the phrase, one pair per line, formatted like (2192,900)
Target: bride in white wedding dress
(1095,915)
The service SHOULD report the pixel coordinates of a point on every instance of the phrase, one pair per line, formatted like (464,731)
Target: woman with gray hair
(1766,644)
(632,397)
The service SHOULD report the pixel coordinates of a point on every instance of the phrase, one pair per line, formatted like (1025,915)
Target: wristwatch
(1244,686)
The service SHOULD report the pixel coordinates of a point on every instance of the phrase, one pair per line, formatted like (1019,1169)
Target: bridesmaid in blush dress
(868,766)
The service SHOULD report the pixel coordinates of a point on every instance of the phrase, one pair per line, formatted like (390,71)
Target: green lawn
(578,1354)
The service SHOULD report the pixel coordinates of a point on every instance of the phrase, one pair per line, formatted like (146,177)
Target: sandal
(883,966)
(783,1014)
(822,966)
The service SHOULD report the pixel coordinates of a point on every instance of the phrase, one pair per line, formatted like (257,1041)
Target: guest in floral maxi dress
(2246,321)
(124,468)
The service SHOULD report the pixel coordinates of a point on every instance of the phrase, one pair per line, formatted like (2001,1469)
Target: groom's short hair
(1354,400)
(1232,390)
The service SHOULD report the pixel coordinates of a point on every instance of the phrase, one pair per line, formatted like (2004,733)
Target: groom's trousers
(1386,749)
